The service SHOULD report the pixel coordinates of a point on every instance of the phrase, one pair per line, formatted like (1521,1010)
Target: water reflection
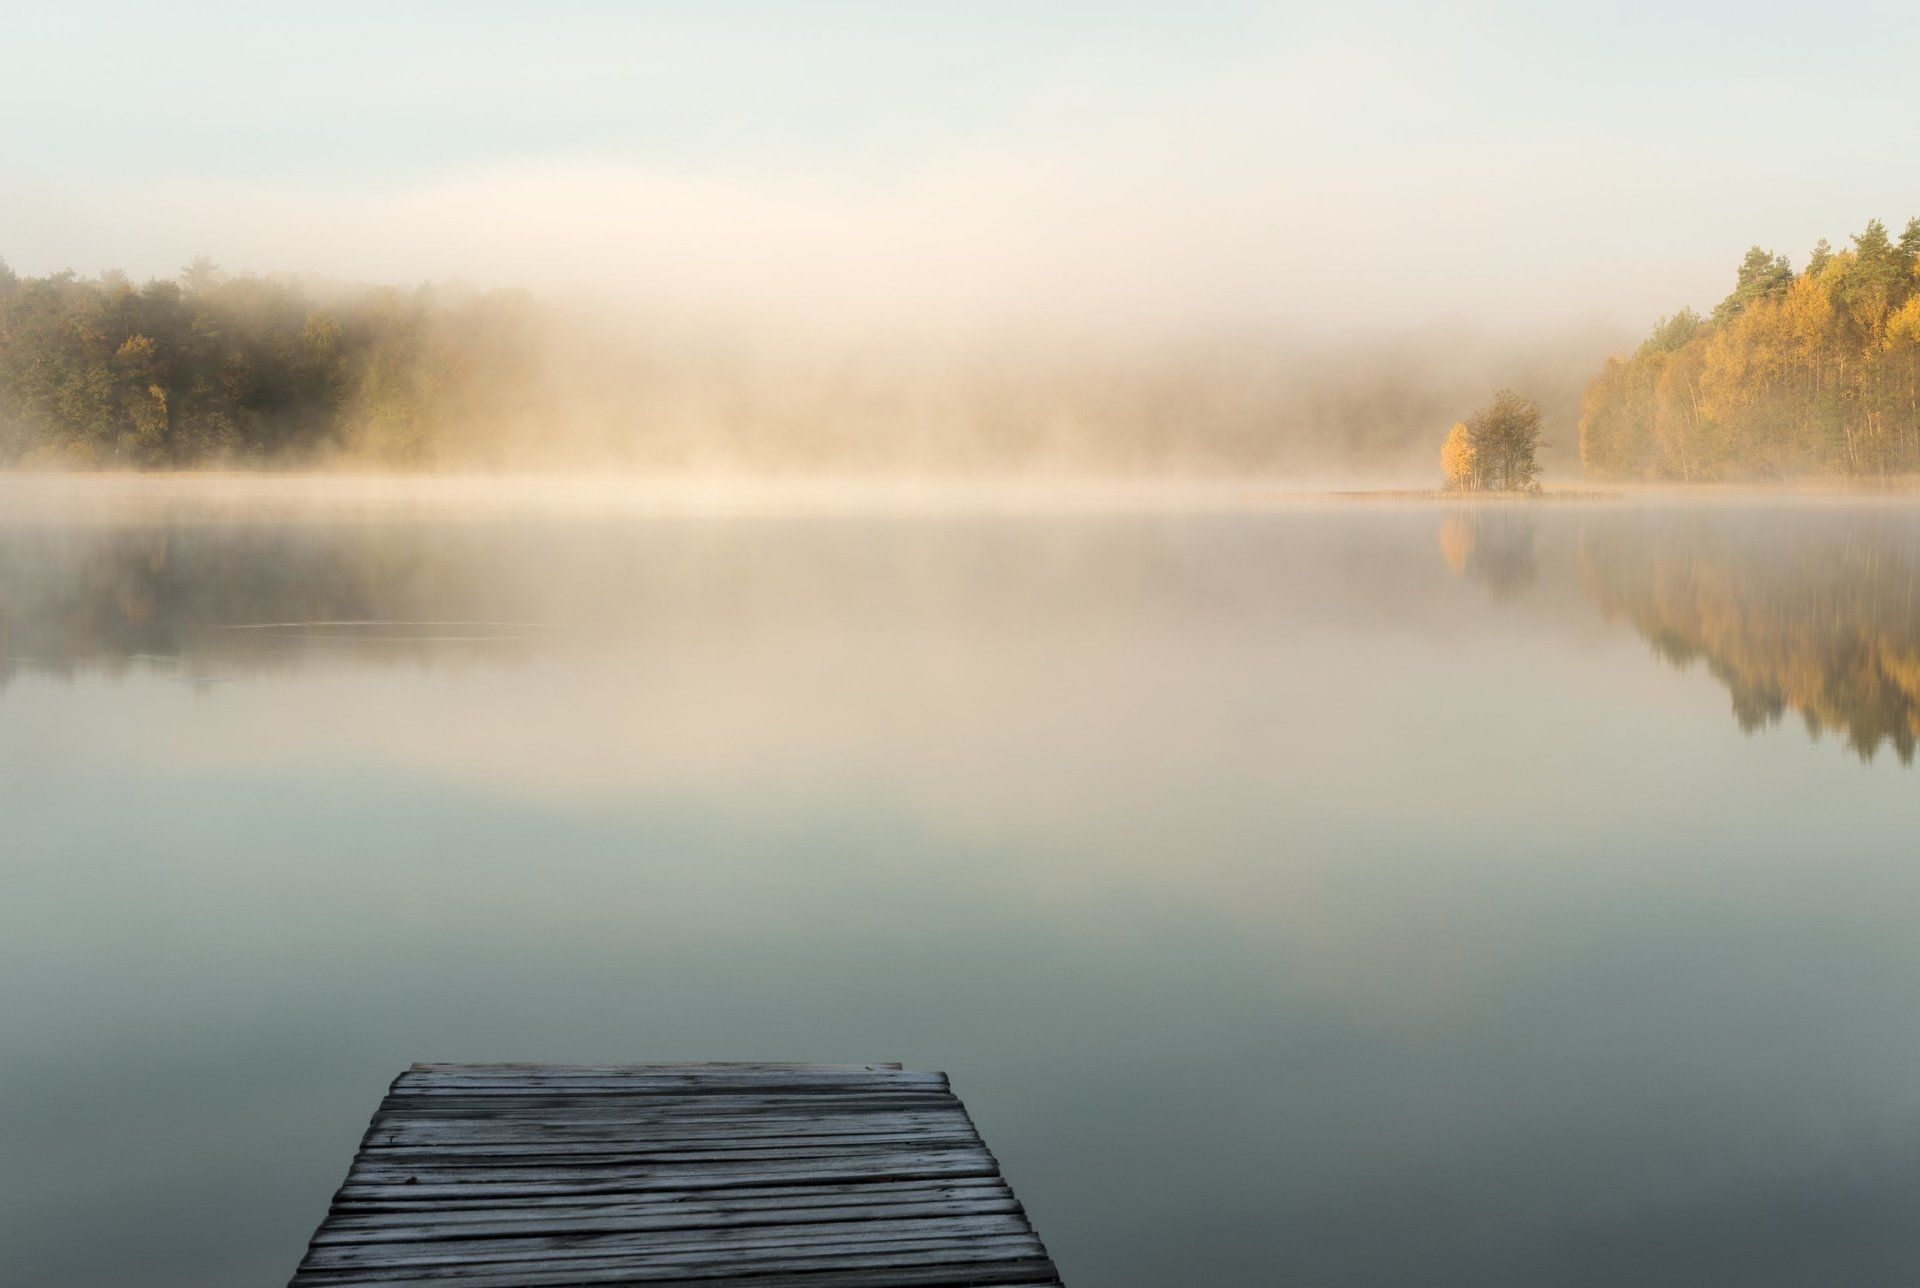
(1809,612)
(1812,611)
(207,602)
(1291,902)
(1494,547)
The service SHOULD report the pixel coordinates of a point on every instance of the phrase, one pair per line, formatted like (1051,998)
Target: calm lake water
(1309,892)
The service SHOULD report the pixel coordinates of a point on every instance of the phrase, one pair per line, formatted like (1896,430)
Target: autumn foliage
(1456,458)
(1814,372)
(1495,449)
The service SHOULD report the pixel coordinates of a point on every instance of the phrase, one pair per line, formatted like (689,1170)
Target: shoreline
(119,491)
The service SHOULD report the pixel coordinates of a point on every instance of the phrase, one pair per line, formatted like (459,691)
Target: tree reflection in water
(1817,614)
(209,601)
(1493,547)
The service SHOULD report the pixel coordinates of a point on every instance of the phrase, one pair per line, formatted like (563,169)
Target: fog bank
(285,372)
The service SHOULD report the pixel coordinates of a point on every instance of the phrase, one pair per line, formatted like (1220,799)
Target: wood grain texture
(704,1175)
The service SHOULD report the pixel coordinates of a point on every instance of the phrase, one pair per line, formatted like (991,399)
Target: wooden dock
(769,1175)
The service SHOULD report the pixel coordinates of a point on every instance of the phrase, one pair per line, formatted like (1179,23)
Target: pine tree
(1908,248)
(1762,275)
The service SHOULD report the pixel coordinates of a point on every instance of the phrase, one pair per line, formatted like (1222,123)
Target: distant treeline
(209,369)
(212,369)
(1815,372)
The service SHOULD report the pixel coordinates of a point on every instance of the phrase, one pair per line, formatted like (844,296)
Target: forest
(216,369)
(1793,374)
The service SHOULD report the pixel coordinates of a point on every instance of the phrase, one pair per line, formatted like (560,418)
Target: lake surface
(1309,892)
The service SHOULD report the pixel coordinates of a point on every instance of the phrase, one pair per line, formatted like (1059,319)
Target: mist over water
(1341,892)
(283,371)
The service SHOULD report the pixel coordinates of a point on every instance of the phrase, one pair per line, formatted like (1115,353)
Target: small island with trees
(1495,449)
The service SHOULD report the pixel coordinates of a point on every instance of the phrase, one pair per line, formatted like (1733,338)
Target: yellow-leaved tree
(1456,458)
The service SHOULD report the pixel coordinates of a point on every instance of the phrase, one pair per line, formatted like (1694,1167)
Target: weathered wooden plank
(425,1167)
(770,1076)
(831,1224)
(608,1154)
(372,1162)
(1011,1273)
(518,1223)
(869,1075)
(683,1083)
(394,1148)
(704,1132)
(849,1191)
(778,1176)
(664,1126)
(401,1151)
(612,1104)
(469,1191)
(511,1069)
(739,1263)
(522,1246)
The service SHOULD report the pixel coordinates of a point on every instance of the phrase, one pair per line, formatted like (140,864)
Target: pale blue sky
(1303,163)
